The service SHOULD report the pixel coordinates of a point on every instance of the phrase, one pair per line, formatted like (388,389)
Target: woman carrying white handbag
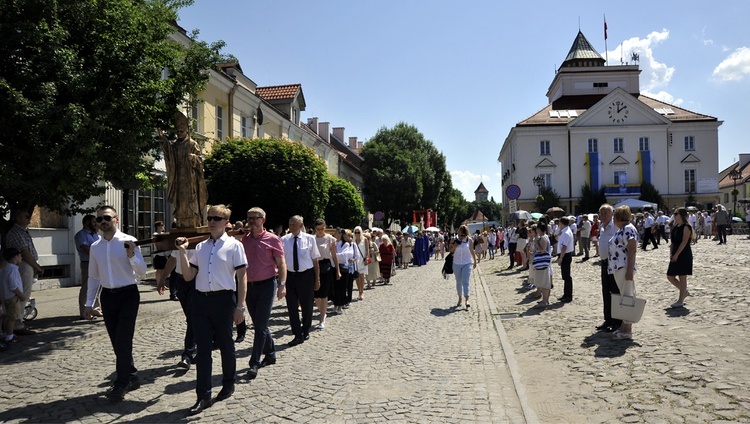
(622,251)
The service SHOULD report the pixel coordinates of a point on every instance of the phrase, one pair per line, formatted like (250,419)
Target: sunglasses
(253,218)
(215,218)
(105,218)
(357,232)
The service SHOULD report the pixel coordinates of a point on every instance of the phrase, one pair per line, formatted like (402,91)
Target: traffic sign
(513,206)
(379,216)
(513,191)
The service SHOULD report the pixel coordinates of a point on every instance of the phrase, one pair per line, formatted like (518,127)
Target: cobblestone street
(683,365)
(404,354)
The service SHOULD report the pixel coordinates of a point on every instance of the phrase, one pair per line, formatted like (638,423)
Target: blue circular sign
(513,192)
(379,216)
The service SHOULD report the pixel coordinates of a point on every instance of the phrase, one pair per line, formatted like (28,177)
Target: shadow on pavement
(607,346)
(676,312)
(76,409)
(442,312)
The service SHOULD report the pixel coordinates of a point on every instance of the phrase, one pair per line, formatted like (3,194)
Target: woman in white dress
(363,251)
(407,244)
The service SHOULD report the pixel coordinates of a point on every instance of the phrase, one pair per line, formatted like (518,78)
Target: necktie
(295,255)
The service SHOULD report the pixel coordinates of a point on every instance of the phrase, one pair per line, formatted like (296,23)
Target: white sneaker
(678,305)
(321,326)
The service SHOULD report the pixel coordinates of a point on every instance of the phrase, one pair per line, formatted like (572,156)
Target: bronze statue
(186,185)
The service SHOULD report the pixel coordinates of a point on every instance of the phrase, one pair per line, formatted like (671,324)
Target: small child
(11,292)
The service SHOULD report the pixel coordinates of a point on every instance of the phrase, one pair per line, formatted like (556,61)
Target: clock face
(618,112)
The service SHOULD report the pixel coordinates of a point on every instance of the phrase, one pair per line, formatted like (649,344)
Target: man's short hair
(257,210)
(222,210)
(87,219)
(565,221)
(298,219)
(107,207)
(10,252)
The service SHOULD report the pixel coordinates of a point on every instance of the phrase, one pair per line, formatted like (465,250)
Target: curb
(528,413)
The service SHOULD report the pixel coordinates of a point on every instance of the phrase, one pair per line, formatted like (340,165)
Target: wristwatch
(283,283)
(242,308)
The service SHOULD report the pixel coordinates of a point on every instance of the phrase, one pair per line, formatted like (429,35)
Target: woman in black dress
(681,256)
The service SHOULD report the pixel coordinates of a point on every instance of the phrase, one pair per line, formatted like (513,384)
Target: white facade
(598,129)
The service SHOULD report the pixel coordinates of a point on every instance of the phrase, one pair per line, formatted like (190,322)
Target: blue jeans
(462,272)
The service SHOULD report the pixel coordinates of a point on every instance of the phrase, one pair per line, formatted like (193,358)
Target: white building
(598,129)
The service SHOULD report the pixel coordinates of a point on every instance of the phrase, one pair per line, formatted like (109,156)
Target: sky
(464,73)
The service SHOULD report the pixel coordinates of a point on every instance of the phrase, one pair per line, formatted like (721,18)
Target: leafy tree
(590,200)
(345,207)
(403,172)
(281,177)
(82,89)
(649,193)
(550,198)
(490,209)
(453,210)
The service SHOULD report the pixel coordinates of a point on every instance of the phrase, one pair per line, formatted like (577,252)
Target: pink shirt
(261,255)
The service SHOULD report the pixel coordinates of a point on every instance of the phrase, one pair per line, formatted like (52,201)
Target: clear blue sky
(464,73)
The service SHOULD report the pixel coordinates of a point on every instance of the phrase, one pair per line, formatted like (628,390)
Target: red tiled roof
(278,92)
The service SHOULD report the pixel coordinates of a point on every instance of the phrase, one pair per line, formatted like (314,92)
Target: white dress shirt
(566,239)
(216,262)
(605,233)
(307,250)
(110,267)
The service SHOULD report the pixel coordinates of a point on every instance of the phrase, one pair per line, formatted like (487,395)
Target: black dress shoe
(306,337)
(612,328)
(566,299)
(268,360)
(296,341)
(240,339)
(199,406)
(184,363)
(603,326)
(117,393)
(225,393)
(253,372)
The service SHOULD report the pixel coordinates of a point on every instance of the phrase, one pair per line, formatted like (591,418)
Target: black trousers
(661,234)
(185,291)
(340,286)
(213,319)
(567,259)
(259,301)
(648,236)
(512,253)
(722,231)
(609,286)
(120,309)
(300,292)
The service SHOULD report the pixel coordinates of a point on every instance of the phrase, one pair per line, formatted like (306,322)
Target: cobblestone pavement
(404,354)
(684,365)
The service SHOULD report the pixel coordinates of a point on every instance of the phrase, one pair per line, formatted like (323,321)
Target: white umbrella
(410,229)
(432,229)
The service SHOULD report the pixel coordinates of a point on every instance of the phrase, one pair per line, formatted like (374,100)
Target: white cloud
(735,67)
(467,182)
(654,74)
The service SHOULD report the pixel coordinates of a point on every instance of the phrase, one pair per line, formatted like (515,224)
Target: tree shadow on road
(607,347)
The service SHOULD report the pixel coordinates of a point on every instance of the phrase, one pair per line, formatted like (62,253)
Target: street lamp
(735,175)
(539,182)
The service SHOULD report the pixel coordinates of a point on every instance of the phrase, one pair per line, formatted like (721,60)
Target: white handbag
(627,308)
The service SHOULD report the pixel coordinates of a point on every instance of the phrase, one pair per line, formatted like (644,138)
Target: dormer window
(601,84)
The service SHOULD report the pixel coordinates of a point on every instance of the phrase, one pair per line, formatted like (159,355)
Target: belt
(120,289)
(300,271)
(261,282)
(214,293)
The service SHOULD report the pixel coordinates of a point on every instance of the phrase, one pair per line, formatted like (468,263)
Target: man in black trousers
(303,278)
(215,309)
(566,248)
(607,229)
(116,264)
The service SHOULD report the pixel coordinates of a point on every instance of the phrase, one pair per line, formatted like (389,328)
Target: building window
(621,178)
(690,181)
(619,145)
(219,123)
(544,148)
(547,180)
(593,145)
(295,116)
(601,84)
(726,197)
(243,126)
(152,206)
(689,143)
(643,144)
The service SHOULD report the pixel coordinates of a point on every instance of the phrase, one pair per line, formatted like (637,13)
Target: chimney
(313,124)
(324,131)
(339,133)
(360,145)
(744,159)
(353,143)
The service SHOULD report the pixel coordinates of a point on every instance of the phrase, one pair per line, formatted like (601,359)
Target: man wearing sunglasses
(116,264)
(215,309)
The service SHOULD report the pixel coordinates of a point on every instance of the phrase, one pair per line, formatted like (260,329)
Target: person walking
(363,252)
(721,219)
(115,265)
(303,278)
(621,251)
(215,308)
(184,291)
(542,278)
(387,253)
(84,239)
(462,248)
(329,269)
(346,253)
(607,230)
(407,244)
(512,245)
(266,269)
(565,250)
(680,256)
(585,228)
(649,229)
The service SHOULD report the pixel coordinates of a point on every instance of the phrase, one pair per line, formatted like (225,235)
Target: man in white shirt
(573,227)
(607,229)
(648,231)
(661,226)
(215,309)
(116,264)
(303,278)
(585,236)
(565,248)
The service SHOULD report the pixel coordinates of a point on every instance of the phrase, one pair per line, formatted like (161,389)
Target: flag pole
(606,50)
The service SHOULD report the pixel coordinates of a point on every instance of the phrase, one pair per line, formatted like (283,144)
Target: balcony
(626,190)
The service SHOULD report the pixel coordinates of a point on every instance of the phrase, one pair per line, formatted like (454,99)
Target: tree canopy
(403,172)
(281,177)
(345,207)
(549,198)
(84,83)
(590,200)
